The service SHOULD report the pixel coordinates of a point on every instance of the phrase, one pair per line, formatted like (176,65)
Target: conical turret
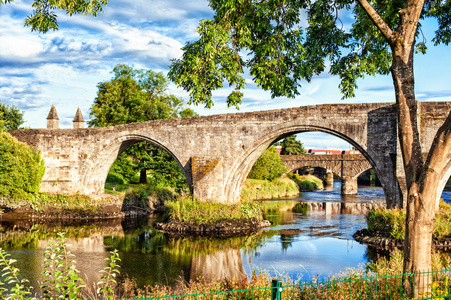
(52,118)
(78,121)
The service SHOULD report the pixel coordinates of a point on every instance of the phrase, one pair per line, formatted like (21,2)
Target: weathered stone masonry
(217,152)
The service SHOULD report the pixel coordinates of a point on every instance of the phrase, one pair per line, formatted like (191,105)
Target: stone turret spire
(78,121)
(52,118)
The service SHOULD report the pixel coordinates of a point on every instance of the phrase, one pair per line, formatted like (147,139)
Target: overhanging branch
(377,20)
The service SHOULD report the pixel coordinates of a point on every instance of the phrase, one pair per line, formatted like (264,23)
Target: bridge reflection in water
(317,240)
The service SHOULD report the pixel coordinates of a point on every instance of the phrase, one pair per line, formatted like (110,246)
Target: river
(307,243)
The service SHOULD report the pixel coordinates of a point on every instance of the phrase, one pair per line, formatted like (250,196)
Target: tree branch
(377,20)
(440,149)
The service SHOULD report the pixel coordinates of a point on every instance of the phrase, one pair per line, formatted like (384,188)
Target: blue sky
(64,67)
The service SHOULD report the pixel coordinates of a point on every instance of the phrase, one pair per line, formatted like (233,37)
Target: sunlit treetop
(282,42)
(44,17)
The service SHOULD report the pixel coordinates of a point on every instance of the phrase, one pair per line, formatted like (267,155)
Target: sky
(64,67)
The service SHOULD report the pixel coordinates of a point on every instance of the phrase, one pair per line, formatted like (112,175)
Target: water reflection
(314,239)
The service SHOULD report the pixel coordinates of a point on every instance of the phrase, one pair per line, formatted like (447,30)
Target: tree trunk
(420,212)
(421,177)
(143,176)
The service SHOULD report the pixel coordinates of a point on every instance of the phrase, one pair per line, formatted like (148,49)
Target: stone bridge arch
(347,133)
(98,163)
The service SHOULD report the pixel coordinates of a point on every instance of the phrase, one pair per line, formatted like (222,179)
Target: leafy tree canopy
(137,96)
(11,118)
(44,17)
(282,42)
(268,166)
(291,146)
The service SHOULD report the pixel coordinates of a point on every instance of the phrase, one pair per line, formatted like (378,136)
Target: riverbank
(286,186)
(386,229)
(119,201)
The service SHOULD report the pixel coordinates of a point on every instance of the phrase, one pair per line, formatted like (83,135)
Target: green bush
(21,168)
(115,178)
(391,222)
(387,222)
(268,166)
(307,183)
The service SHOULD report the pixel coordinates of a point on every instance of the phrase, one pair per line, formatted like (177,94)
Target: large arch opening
(238,176)
(132,160)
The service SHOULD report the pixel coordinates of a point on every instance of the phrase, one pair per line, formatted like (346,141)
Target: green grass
(265,189)
(391,222)
(307,183)
(43,201)
(189,210)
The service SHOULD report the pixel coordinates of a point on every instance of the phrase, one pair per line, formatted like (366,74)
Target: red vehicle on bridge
(331,151)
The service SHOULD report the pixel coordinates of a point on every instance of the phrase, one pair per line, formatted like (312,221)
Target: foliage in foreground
(391,222)
(268,166)
(61,277)
(62,280)
(187,209)
(21,168)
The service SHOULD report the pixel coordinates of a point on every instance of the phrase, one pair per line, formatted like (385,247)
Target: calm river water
(309,243)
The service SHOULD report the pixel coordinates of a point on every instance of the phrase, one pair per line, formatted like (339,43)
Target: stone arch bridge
(216,152)
(347,166)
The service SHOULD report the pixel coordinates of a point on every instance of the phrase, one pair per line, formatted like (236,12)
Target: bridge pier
(329,178)
(348,185)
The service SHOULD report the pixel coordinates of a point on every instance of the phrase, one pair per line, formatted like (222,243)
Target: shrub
(21,168)
(115,178)
(391,222)
(268,166)
(388,222)
(307,183)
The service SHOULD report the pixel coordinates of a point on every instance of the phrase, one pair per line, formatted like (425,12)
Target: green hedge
(21,168)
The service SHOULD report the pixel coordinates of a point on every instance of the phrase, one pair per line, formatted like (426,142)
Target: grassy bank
(265,189)
(307,183)
(43,201)
(189,210)
(391,222)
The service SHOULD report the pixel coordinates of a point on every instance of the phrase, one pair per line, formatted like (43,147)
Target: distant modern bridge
(217,152)
(347,166)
